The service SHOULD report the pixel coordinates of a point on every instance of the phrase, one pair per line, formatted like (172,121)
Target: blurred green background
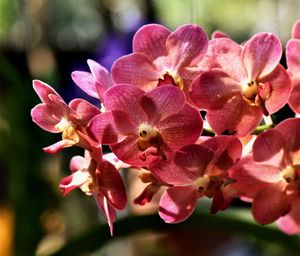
(47,40)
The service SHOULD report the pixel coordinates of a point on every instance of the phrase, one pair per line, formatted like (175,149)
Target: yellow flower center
(148,137)
(68,130)
(177,80)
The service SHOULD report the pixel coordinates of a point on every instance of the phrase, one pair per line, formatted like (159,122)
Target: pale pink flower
(272,177)
(159,54)
(54,115)
(99,179)
(139,126)
(293,63)
(249,82)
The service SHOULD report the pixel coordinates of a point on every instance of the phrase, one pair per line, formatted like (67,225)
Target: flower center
(169,76)
(288,174)
(250,92)
(68,130)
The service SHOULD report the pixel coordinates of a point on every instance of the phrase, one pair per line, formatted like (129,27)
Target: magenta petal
(177,203)
(194,158)
(261,54)
(269,148)
(186,44)
(236,117)
(227,55)
(43,116)
(107,210)
(84,109)
(147,194)
(151,40)
(73,181)
(58,146)
(86,82)
(162,102)
(296,30)
(78,163)
(290,223)
(218,34)
(136,69)
(280,89)
(102,129)
(251,177)
(293,56)
(290,129)
(182,128)
(111,186)
(270,203)
(213,88)
(227,151)
(126,98)
(43,90)
(100,73)
(294,101)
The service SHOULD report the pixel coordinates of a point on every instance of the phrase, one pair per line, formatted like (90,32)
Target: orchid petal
(294,101)
(43,90)
(151,40)
(86,82)
(124,70)
(78,163)
(187,44)
(270,203)
(261,54)
(58,146)
(177,203)
(293,57)
(296,30)
(147,194)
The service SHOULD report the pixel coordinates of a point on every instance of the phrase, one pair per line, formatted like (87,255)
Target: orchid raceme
(155,104)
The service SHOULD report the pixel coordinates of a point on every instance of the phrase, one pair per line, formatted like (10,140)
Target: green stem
(98,237)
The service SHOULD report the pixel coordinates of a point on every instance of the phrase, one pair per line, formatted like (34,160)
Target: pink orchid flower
(139,126)
(95,83)
(55,116)
(100,180)
(197,171)
(293,63)
(273,176)
(160,55)
(249,83)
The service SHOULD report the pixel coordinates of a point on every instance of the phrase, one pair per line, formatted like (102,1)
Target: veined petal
(290,223)
(293,56)
(270,148)
(236,117)
(162,102)
(296,30)
(270,203)
(182,128)
(111,185)
(126,98)
(86,82)
(177,203)
(186,44)
(43,90)
(294,101)
(211,89)
(42,115)
(290,129)
(102,129)
(194,158)
(137,69)
(227,151)
(281,87)
(151,40)
(84,109)
(261,54)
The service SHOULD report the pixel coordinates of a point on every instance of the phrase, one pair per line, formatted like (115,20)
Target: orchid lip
(177,80)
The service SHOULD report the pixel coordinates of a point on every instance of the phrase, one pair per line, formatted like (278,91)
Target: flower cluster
(159,103)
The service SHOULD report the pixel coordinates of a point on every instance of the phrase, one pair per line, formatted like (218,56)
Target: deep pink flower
(293,63)
(249,83)
(273,176)
(159,54)
(100,180)
(197,171)
(95,83)
(54,115)
(139,125)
